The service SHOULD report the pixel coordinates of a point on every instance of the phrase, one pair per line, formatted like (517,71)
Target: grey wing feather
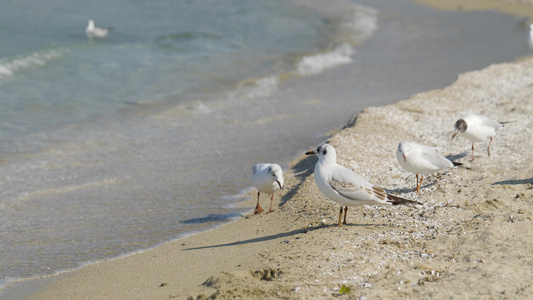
(351,185)
(437,160)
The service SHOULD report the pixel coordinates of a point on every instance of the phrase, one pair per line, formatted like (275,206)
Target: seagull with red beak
(477,128)
(346,187)
(267,178)
(421,160)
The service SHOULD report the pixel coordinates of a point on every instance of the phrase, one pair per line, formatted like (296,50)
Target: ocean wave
(9,67)
(316,64)
(355,24)
(362,23)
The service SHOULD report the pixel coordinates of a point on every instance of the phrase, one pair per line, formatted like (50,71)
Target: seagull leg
(488,147)
(340,217)
(271,199)
(258,208)
(417,185)
(345,214)
(472,152)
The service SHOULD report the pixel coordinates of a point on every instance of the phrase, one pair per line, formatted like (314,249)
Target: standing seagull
(477,128)
(345,186)
(267,178)
(98,32)
(420,159)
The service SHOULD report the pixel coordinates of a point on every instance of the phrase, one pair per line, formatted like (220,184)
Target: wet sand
(470,239)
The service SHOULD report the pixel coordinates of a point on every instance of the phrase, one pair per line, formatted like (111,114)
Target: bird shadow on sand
(302,170)
(409,190)
(514,182)
(283,235)
(212,218)
(257,240)
(455,157)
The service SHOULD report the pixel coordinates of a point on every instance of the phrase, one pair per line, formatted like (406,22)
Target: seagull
(420,159)
(345,186)
(267,178)
(98,32)
(477,128)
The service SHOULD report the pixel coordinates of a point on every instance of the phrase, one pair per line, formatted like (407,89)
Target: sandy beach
(471,238)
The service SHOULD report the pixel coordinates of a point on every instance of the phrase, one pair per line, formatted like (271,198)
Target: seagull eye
(324,152)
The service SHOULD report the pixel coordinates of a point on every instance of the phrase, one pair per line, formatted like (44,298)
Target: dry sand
(472,238)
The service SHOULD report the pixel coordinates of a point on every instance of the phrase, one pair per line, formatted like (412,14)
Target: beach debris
(344,290)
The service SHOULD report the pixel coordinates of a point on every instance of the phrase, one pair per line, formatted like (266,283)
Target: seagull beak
(404,158)
(310,153)
(280,187)
(455,133)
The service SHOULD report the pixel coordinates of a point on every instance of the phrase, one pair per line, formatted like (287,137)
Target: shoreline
(462,235)
(257,240)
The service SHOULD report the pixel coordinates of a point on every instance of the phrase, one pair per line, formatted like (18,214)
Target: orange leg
(419,185)
(271,199)
(258,208)
(345,214)
(488,147)
(340,217)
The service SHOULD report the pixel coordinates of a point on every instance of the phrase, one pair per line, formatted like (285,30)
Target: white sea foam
(356,26)
(315,64)
(264,87)
(363,23)
(260,88)
(8,67)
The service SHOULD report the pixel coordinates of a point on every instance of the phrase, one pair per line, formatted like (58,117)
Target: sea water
(113,146)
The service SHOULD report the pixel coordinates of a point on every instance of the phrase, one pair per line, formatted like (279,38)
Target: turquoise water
(113,146)
(50,73)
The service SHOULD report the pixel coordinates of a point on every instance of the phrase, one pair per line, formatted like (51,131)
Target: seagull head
(325,152)
(277,174)
(403,150)
(90,25)
(460,127)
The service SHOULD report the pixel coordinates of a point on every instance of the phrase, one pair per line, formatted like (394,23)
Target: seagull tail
(506,122)
(394,200)
(455,164)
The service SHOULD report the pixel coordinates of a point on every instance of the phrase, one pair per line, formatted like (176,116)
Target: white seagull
(477,128)
(267,178)
(345,186)
(97,32)
(420,159)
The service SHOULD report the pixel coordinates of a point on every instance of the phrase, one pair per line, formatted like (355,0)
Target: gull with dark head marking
(267,178)
(420,159)
(91,31)
(477,128)
(345,186)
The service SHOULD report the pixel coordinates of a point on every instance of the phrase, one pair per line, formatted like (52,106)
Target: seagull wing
(434,160)
(354,187)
